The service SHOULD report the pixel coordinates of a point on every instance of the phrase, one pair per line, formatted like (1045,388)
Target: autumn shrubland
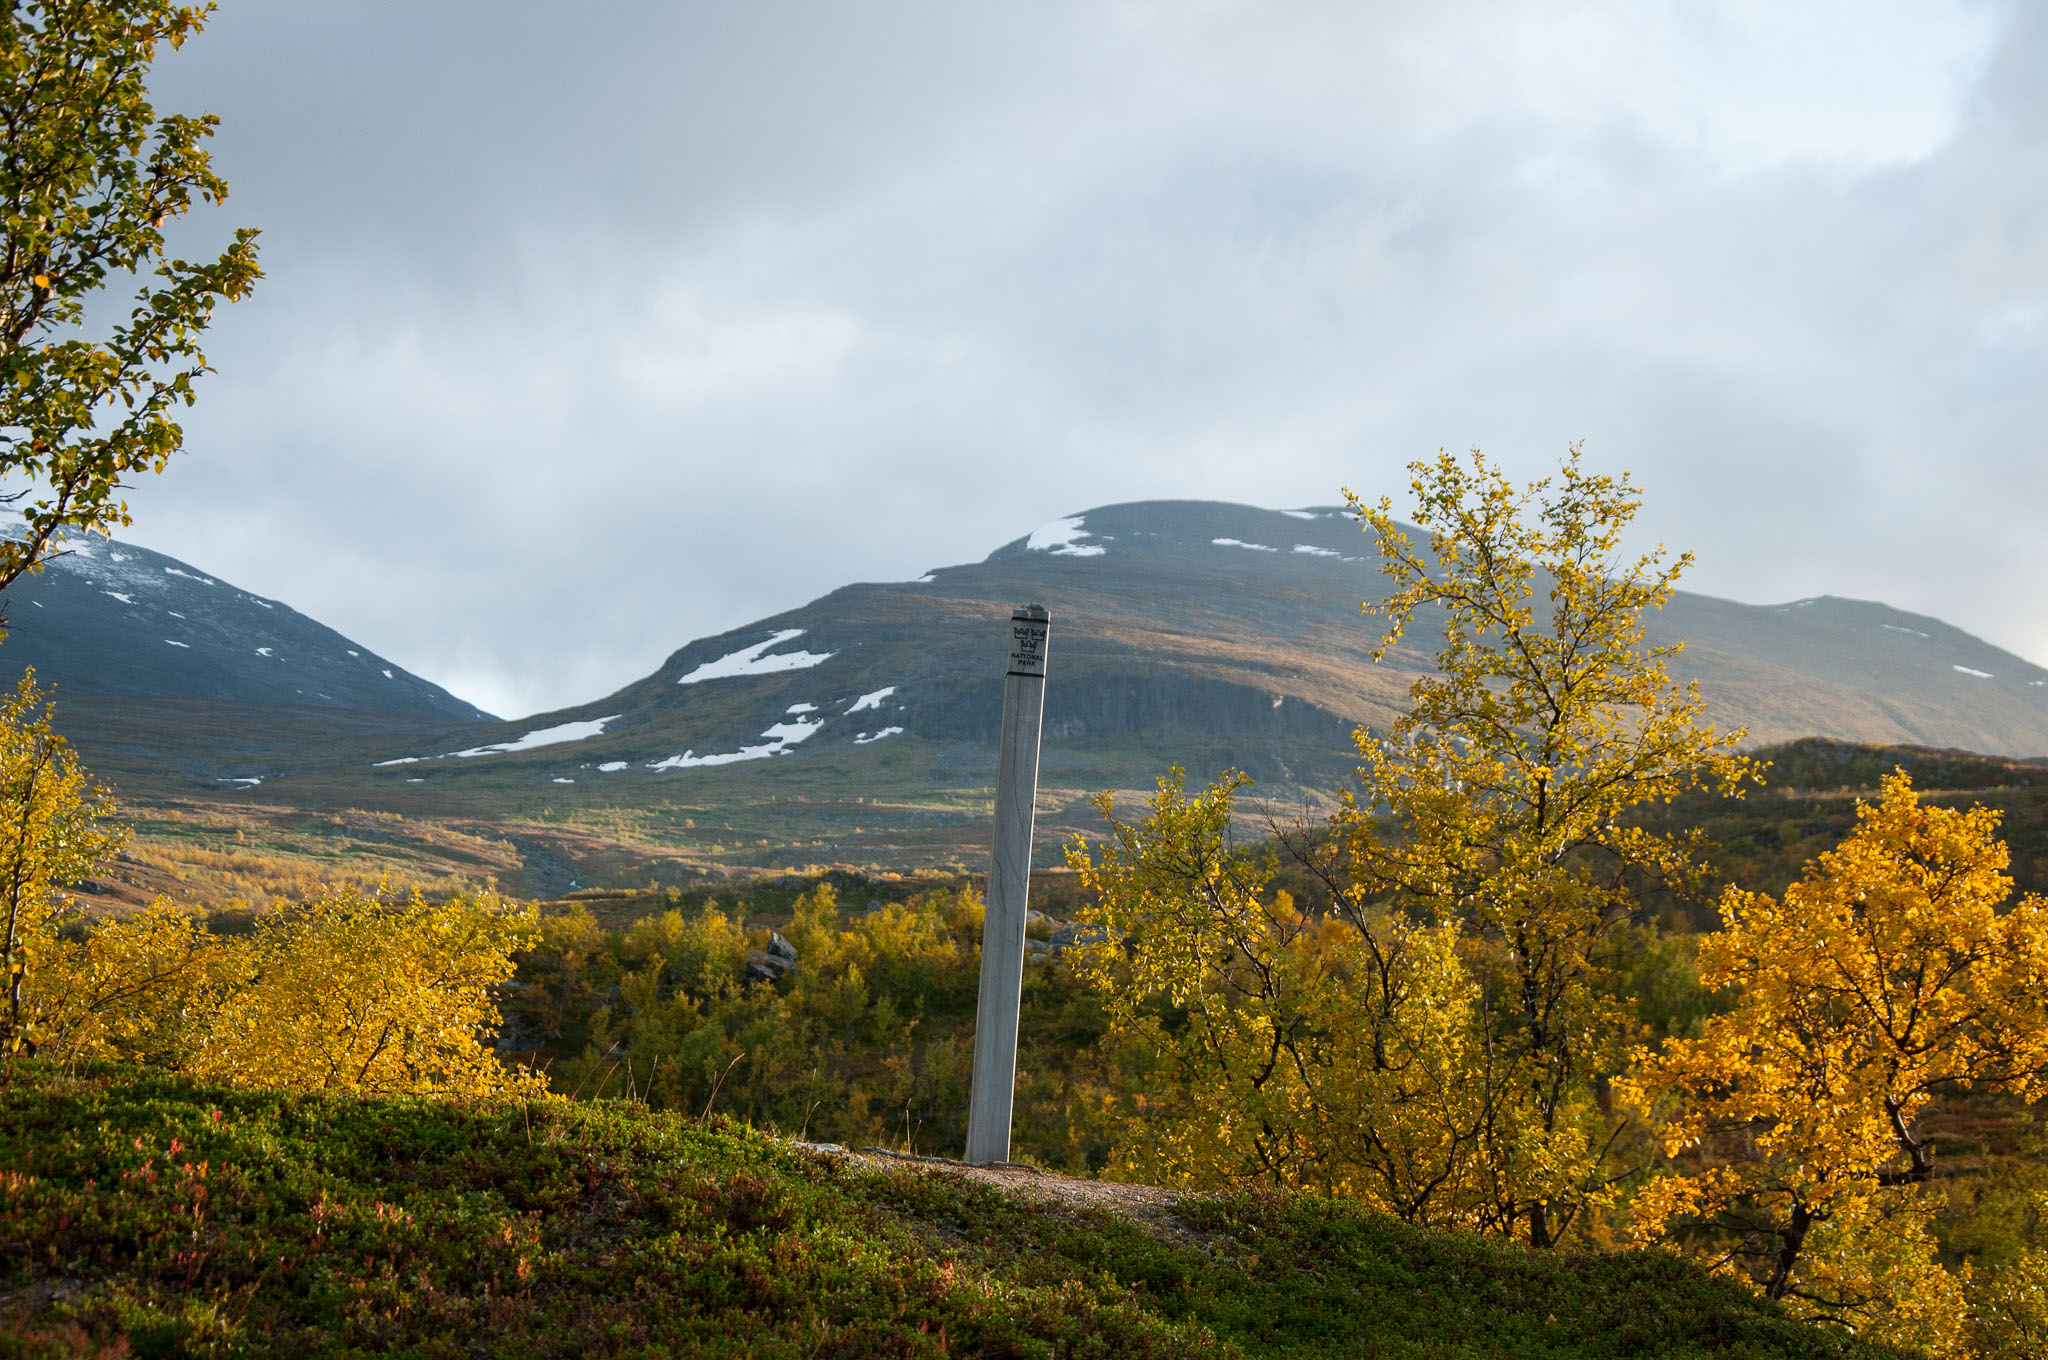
(1479,1022)
(868,1041)
(292,1140)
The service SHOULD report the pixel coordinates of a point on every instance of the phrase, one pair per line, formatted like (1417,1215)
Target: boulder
(1071,936)
(773,963)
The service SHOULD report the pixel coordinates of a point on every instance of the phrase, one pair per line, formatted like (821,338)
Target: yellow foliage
(1508,782)
(2009,1306)
(1435,1042)
(345,993)
(1299,1051)
(863,1040)
(52,833)
(131,989)
(1886,975)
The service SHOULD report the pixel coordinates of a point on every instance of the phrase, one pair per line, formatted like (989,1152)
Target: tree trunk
(1791,1241)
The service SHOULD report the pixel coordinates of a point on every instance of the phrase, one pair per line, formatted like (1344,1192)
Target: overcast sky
(592,329)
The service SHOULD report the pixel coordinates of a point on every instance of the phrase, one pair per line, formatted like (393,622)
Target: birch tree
(90,177)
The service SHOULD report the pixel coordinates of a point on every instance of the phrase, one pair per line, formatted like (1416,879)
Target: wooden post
(994,1079)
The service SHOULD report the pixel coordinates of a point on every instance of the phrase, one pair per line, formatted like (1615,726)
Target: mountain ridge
(224,643)
(1826,665)
(1203,634)
(163,671)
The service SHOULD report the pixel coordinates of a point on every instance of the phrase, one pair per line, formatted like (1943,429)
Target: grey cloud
(586,337)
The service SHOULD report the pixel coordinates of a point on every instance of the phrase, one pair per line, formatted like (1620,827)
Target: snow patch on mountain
(1967,670)
(1240,543)
(581,730)
(753,661)
(1062,538)
(864,738)
(871,700)
(781,737)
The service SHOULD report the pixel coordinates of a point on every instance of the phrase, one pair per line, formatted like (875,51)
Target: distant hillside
(1214,634)
(108,618)
(861,727)
(160,667)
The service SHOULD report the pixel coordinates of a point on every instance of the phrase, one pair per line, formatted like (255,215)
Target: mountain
(158,666)
(861,727)
(1215,634)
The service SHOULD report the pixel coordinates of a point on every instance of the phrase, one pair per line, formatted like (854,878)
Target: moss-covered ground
(140,1214)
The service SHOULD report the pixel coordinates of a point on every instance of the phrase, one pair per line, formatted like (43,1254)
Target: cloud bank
(584,337)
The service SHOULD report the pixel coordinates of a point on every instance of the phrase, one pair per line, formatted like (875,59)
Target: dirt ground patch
(1150,1207)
